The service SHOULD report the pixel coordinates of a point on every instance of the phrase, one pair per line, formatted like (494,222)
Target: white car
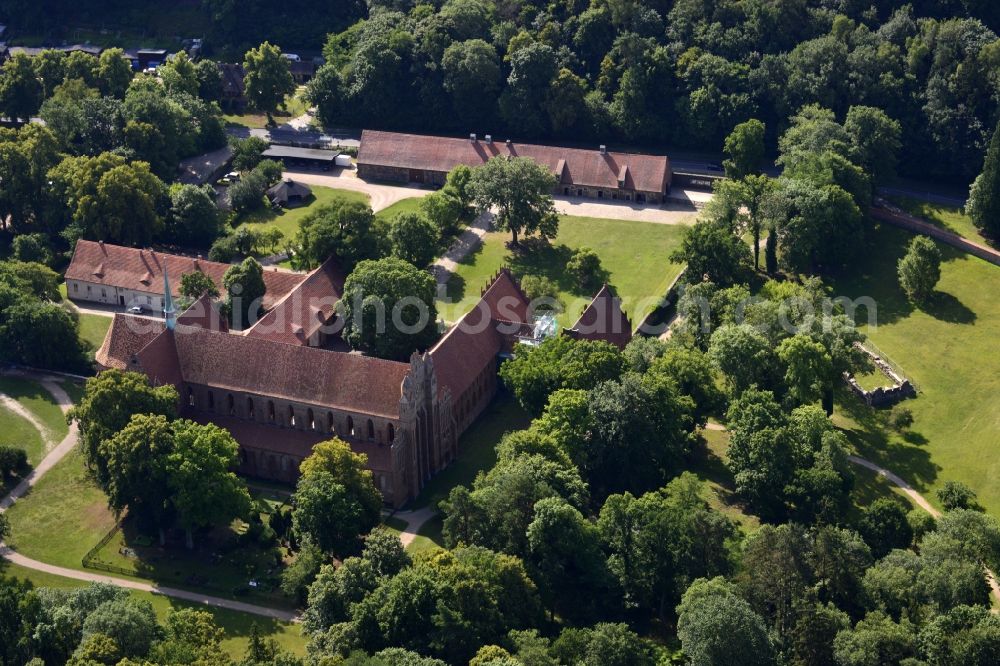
(137,309)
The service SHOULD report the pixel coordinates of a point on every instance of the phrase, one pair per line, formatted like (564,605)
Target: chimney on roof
(604,149)
(489,138)
(472,137)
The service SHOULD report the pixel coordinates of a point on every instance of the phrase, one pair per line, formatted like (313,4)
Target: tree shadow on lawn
(537,256)
(874,276)
(946,307)
(871,437)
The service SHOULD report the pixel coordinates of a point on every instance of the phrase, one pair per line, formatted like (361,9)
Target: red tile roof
(159,360)
(604,320)
(340,380)
(305,309)
(480,335)
(203,313)
(142,270)
(573,166)
(125,337)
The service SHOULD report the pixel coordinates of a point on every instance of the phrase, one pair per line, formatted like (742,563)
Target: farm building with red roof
(597,174)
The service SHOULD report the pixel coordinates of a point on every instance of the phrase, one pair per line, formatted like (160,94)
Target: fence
(91,560)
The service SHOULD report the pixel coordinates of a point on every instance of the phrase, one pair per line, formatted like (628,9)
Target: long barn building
(598,174)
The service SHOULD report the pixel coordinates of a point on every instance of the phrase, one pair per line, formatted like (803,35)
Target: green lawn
(93,328)
(236,625)
(17,431)
(62,517)
(66,514)
(635,255)
(476,449)
(947,217)
(294,107)
(709,465)
(870,381)
(33,397)
(287,219)
(410,205)
(949,350)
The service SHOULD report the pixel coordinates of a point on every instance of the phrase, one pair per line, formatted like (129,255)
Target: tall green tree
(920,269)
(716,626)
(347,230)
(746,150)
(268,78)
(109,402)
(204,490)
(520,190)
(389,308)
(20,89)
(245,290)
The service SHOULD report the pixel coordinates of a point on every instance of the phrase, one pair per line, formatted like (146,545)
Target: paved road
(51,384)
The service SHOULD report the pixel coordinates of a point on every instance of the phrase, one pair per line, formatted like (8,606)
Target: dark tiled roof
(305,309)
(203,314)
(573,166)
(340,380)
(142,270)
(604,320)
(288,189)
(125,337)
(476,338)
(232,79)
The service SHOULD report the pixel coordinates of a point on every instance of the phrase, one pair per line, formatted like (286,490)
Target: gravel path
(51,384)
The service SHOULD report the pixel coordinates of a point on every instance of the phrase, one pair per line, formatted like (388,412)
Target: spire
(168,302)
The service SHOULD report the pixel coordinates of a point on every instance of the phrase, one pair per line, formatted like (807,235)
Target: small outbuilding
(288,193)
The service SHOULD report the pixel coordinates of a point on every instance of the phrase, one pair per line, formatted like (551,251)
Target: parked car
(230,178)
(138,309)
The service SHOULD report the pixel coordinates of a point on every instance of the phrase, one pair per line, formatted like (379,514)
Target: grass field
(946,217)
(62,517)
(17,431)
(287,219)
(93,328)
(949,349)
(66,514)
(236,625)
(33,397)
(410,205)
(634,254)
(294,107)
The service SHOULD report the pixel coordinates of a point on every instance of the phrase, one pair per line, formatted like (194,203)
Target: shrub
(956,495)
(585,268)
(540,288)
(12,460)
